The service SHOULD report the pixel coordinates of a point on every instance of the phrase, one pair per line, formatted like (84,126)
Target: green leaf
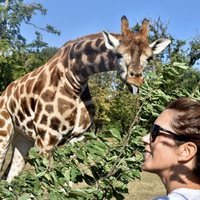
(113,132)
(132,159)
(67,174)
(118,184)
(45,161)
(74,172)
(24,197)
(77,193)
(90,135)
(33,153)
(40,174)
(180,65)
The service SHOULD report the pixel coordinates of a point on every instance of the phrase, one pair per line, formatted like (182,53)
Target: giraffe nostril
(131,74)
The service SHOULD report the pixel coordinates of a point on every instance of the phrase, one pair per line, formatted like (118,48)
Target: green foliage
(14,13)
(33,60)
(112,102)
(171,81)
(102,167)
(16,64)
(195,50)
(99,169)
(122,109)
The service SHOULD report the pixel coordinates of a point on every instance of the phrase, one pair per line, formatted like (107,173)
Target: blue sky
(75,18)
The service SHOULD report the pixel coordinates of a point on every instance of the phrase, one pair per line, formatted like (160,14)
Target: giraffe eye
(119,55)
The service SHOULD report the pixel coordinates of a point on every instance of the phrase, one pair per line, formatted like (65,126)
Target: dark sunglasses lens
(154,132)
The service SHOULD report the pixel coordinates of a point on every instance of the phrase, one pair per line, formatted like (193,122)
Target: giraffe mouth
(133,89)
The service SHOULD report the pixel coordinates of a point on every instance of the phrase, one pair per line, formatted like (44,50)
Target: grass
(145,189)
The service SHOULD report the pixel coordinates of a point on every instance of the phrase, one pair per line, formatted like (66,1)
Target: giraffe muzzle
(134,80)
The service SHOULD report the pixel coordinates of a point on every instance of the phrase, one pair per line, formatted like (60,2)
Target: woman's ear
(187,151)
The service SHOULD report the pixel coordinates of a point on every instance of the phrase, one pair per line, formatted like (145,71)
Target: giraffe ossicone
(52,104)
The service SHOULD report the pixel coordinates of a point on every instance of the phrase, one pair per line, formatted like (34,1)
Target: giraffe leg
(21,146)
(6,132)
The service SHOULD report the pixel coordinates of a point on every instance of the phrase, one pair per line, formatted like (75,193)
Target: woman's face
(162,154)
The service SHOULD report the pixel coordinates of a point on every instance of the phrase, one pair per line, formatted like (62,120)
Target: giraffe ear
(111,42)
(159,45)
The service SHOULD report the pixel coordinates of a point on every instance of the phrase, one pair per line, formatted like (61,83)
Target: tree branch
(135,120)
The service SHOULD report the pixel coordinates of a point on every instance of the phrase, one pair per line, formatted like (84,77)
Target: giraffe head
(133,51)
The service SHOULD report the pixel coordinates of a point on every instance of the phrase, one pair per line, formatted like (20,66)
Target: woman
(172,150)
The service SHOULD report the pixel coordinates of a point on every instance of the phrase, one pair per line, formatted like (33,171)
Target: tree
(175,51)
(16,56)
(36,58)
(101,98)
(194,54)
(13,13)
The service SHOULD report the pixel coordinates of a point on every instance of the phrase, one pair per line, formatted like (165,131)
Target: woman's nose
(146,139)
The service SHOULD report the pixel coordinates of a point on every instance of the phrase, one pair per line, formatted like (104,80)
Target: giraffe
(52,104)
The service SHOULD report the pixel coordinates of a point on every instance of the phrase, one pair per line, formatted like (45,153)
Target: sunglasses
(156,131)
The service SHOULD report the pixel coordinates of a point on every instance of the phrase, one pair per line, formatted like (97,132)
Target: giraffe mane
(92,37)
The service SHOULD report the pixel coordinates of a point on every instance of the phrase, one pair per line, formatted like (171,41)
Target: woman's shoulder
(181,194)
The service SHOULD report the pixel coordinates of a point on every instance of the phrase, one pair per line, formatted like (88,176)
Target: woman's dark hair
(187,122)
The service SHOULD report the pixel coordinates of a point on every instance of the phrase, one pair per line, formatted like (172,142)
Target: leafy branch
(135,121)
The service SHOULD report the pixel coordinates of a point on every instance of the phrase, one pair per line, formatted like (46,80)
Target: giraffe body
(53,104)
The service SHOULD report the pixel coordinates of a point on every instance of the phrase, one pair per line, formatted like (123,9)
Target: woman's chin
(147,160)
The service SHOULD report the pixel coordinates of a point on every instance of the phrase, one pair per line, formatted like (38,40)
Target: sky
(77,18)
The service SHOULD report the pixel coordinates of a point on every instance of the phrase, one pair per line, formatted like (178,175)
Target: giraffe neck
(82,59)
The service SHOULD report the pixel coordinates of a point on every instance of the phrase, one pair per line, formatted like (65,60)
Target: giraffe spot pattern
(53,140)
(2,122)
(54,78)
(5,114)
(48,95)
(22,89)
(71,118)
(12,105)
(64,106)
(39,143)
(17,94)
(49,108)
(29,86)
(53,64)
(1,103)
(44,119)
(55,123)
(30,125)
(32,103)
(9,89)
(68,92)
(24,78)
(16,121)
(3,133)
(98,42)
(39,84)
(38,111)
(21,116)
(36,72)
(41,133)
(102,65)
(25,106)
